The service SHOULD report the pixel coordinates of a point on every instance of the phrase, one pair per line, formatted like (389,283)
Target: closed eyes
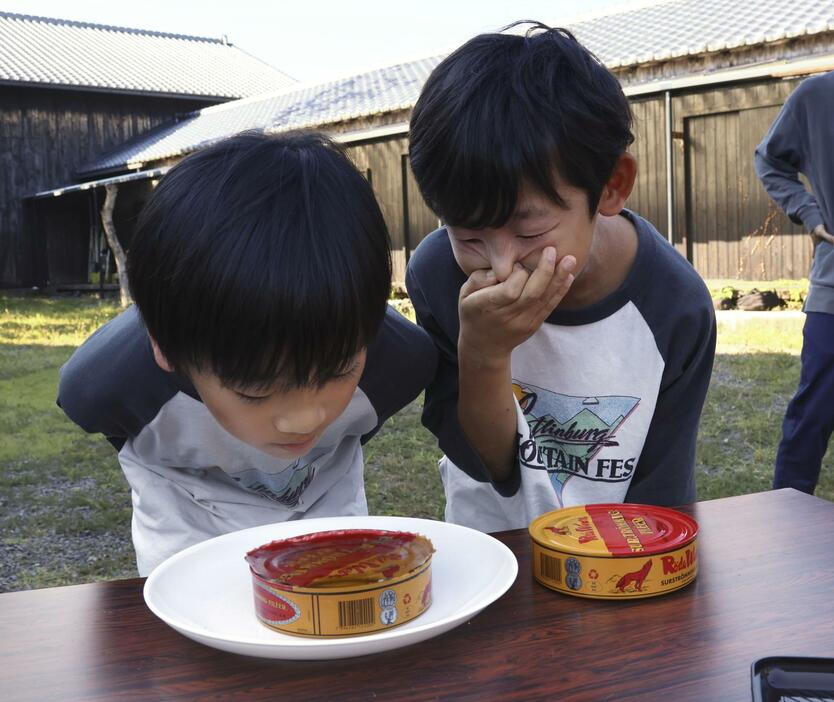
(253,399)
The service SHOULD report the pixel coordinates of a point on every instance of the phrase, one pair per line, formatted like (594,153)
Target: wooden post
(113,242)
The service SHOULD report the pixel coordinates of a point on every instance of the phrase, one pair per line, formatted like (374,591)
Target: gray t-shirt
(190,479)
(608,397)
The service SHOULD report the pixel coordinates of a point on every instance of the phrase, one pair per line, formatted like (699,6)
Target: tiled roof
(40,50)
(383,90)
(674,28)
(639,34)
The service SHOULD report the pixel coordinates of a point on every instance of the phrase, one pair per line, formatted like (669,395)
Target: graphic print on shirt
(568,432)
(286,487)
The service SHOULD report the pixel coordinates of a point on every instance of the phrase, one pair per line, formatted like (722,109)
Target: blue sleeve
(779,160)
(400,363)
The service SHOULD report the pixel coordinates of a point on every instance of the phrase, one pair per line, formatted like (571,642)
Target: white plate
(205,591)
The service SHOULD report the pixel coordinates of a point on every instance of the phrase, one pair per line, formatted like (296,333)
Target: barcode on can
(551,568)
(356,613)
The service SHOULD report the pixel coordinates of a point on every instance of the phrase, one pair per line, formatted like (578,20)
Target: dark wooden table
(766,587)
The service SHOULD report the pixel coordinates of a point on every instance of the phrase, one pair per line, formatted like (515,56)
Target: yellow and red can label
(349,612)
(341,583)
(614,551)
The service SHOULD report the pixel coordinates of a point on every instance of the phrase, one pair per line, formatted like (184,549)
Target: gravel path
(43,541)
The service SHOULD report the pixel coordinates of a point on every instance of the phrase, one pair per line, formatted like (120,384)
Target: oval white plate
(205,591)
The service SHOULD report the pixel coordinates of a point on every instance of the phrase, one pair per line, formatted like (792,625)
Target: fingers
(544,287)
(480,279)
(511,289)
(497,294)
(821,234)
(542,277)
(554,280)
(561,283)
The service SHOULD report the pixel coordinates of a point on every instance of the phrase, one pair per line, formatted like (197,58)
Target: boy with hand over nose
(576,345)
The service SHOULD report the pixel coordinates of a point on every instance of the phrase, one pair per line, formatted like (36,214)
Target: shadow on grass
(742,424)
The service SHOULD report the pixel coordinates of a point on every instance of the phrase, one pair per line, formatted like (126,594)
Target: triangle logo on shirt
(567,432)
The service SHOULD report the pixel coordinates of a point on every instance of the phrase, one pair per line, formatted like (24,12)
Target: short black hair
(507,109)
(263,259)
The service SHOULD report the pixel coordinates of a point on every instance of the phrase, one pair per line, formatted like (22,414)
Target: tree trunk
(115,246)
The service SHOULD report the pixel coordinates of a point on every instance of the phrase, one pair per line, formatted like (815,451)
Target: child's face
(284,424)
(536,223)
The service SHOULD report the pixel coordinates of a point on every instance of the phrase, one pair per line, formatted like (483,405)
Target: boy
(576,345)
(260,353)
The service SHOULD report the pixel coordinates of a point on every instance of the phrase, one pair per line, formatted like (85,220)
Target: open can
(341,583)
(614,551)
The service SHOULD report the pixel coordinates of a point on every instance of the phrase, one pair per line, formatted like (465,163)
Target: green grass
(756,372)
(65,506)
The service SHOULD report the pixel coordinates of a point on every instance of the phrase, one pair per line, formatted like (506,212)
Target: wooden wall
(45,135)
(725,223)
(385,164)
(648,198)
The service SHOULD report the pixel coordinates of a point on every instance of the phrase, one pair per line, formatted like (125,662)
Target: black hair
(263,259)
(507,109)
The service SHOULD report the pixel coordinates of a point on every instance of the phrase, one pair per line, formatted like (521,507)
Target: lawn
(65,507)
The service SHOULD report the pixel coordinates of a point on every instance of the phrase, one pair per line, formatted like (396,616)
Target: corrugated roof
(639,34)
(54,52)
(384,90)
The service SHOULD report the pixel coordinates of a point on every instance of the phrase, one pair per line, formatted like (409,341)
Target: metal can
(614,551)
(341,583)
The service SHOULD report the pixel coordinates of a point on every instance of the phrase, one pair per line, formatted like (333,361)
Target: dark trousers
(809,419)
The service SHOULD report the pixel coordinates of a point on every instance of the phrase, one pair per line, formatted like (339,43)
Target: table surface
(765,587)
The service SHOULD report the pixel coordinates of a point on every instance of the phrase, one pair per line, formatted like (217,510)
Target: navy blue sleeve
(400,363)
(683,323)
(112,385)
(433,280)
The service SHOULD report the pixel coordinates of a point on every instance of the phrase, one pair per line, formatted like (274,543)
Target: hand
(820,234)
(496,317)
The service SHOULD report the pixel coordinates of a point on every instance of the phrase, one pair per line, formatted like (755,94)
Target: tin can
(614,551)
(341,583)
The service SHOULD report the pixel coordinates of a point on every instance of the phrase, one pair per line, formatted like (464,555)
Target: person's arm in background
(779,160)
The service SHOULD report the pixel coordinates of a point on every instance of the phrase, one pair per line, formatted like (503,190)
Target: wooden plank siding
(728,227)
(648,198)
(45,136)
(385,164)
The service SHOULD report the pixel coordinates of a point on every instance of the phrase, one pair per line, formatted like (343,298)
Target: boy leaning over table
(576,345)
(261,353)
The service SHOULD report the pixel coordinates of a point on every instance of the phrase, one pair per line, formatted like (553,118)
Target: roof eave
(119,91)
(739,74)
(623,67)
